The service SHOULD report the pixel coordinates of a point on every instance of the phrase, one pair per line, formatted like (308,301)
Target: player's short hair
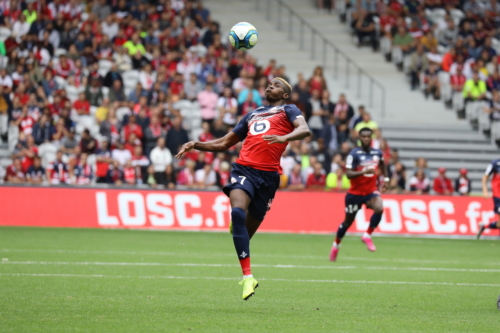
(366,129)
(288,87)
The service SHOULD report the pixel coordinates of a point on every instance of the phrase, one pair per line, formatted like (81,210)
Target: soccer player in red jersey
(255,175)
(362,165)
(492,169)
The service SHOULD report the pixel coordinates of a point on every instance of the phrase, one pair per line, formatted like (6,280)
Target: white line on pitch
(261,279)
(263,255)
(99,263)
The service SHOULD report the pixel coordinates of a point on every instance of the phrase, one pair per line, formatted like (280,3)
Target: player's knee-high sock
(340,234)
(241,239)
(374,222)
(493,225)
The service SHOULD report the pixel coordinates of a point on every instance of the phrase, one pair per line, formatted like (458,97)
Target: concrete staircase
(452,147)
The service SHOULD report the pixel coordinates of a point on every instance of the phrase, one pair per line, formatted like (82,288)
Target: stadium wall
(310,212)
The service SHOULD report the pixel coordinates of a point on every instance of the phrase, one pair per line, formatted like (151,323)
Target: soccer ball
(243,36)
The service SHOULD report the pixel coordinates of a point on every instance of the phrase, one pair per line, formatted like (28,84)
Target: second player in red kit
(255,175)
(362,166)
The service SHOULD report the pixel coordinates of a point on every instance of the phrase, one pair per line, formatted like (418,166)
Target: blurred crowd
(448,49)
(106,92)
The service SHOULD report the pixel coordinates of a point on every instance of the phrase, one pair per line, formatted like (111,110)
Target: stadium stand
(108,99)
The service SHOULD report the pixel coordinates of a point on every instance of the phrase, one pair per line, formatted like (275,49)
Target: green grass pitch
(88,280)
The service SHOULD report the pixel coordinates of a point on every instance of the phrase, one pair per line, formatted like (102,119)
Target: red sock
(245,266)
(370,230)
(338,240)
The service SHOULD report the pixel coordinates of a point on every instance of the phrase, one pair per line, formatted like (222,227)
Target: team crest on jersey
(233,180)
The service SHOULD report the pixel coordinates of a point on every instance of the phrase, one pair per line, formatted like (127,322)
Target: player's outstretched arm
(301,131)
(222,144)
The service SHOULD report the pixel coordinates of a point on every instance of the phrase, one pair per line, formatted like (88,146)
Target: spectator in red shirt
(81,105)
(64,67)
(14,172)
(103,160)
(442,184)
(140,162)
(206,135)
(177,85)
(21,93)
(132,127)
(457,80)
(132,142)
(28,153)
(317,179)
(129,174)
(25,122)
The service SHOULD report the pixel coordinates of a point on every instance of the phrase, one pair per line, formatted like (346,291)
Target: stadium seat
(457,14)
(385,45)
(47,152)
(472,110)
(13,134)
(483,123)
(121,112)
(446,90)
(85,122)
(397,55)
(4,33)
(195,133)
(196,123)
(131,75)
(72,93)
(59,52)
(60,81)
(183,104)
(105,92)
(457,101)
(495,43)
(495,131)
(104,67)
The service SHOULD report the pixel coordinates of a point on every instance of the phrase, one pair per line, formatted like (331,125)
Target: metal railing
(326,47)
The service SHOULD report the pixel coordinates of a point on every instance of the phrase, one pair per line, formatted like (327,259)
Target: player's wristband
(387,179)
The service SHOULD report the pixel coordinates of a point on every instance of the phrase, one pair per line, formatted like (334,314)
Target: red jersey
(82,105)
(129,175)
(441,185)
(26,161)
(265,120)
(358,160)
(458,80)
(494,169)
(314,180)
(26,125)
